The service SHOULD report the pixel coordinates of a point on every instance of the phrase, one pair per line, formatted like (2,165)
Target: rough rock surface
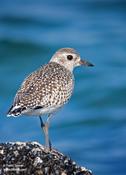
(32,158)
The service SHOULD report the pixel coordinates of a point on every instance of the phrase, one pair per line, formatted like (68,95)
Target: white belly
(39,112)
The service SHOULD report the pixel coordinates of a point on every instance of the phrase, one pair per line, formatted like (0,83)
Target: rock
(32,158)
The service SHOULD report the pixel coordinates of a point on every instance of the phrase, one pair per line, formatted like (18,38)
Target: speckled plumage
(47,89)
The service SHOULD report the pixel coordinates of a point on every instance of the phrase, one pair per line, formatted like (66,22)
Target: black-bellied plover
(48,88)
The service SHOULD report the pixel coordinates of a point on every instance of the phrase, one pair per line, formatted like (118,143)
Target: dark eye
(69,57)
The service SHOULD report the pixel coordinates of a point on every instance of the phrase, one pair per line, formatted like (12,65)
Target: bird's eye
(69,57)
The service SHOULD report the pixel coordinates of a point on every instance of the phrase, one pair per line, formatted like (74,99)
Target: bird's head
(69,58)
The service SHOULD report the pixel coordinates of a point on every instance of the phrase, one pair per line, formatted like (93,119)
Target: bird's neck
(67,66)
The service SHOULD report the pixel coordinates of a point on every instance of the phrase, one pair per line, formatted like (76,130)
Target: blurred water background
(92,127)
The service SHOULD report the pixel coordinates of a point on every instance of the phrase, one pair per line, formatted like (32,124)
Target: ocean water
(91,128)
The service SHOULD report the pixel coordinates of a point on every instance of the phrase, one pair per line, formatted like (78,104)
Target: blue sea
(91,128)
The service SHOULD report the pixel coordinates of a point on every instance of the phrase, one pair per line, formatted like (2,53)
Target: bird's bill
(85,63)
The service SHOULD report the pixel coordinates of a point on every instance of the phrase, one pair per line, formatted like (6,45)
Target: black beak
(85,63)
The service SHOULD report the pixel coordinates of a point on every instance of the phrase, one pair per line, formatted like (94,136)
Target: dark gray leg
(45,128)
(41,121)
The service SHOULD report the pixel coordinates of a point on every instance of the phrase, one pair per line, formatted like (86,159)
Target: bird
(48,88)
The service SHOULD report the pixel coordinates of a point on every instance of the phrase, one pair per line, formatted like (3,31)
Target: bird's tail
(15,111)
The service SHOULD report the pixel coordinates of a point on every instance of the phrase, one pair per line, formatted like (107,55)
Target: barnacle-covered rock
(32,158)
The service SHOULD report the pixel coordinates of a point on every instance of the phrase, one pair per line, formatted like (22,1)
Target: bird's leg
(46,131)
(45,128)
(41,121)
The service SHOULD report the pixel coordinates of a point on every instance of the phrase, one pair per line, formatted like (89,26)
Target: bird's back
(47,88)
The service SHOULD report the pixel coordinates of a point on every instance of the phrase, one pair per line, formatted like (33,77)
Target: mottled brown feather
(50,85)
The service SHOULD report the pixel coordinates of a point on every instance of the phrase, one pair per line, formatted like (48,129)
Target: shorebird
(47,89)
